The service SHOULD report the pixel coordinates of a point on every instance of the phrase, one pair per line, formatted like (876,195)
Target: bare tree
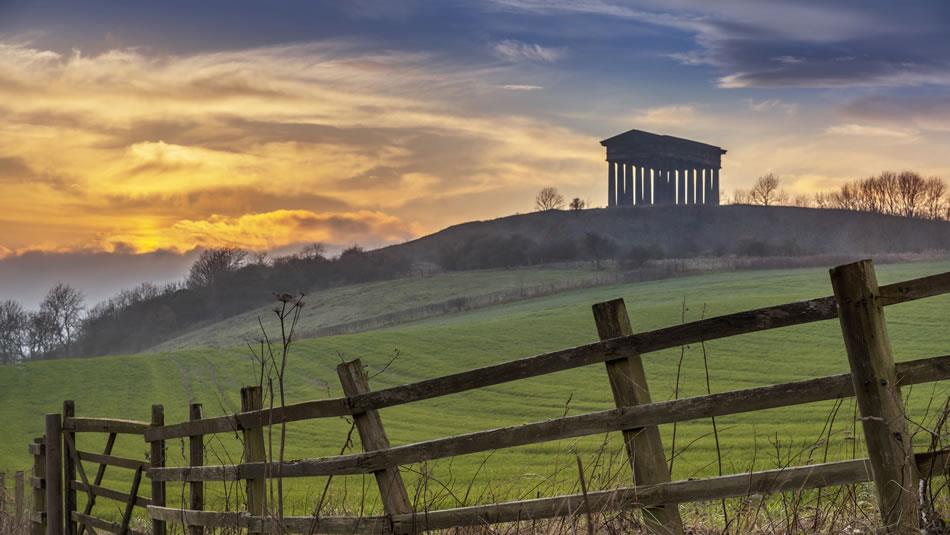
(740,196)
(212,263)
(803,201)
(41,334)
(63,305)
(13,332)
(822,200)
(766,191)
(577,204)
(935,203)
(548,199)
(910,194)
(313,251)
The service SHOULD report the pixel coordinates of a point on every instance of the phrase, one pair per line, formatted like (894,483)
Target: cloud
(276,229)
(869,130)
(789,60)
(772,104)
(517,51)
(929,112)
(156,140)
(522,87)
(809,43)
(674,115)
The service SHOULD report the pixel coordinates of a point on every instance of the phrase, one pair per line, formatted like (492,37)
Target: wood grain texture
(104,425)
(255,452)
(373,437)
(38,450)
(663,412)
(196,452)
(157,460)
(891,453)
(703,330)
(54,475)
(628,383)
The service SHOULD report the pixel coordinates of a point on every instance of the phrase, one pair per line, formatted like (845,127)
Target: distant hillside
(628,237)
(705,230)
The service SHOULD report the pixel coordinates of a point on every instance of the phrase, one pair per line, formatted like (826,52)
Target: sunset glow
(122,142)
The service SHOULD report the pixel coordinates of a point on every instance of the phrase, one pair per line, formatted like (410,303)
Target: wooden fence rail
(874,379)
(725,326)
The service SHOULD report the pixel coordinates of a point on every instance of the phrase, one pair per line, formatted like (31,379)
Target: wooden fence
(874,379)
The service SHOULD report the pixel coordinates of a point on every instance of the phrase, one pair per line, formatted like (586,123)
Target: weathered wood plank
(102,525)
(157,460)
(104,425)
(373,437)
(663,412)
(323,408)
(69,468)
(38,480)
(698,490)
(708,329)
(19,497)
(890,450)
(54,474)
(628,383)
(130,503)
(254,451)
(111,460)
(100,474)
(196,452)
(119,496)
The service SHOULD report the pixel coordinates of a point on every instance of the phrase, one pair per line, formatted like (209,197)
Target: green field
(126,386)
(346,304)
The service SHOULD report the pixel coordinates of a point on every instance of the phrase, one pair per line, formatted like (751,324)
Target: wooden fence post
(38,483)
(196,458)
(373,437)
(644,447)
(157,458)
(54,474)
(891,453)
(18,499)
(254,451)
(69,470)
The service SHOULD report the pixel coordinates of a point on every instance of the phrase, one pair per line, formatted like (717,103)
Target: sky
(134,133)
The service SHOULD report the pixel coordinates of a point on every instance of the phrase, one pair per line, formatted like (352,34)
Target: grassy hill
(125,386)
(372,305)
(222,310)
(704,230)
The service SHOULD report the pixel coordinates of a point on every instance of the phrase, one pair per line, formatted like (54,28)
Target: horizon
(134,136)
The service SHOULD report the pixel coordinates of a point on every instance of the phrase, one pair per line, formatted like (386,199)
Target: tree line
(905,194)
(222,282)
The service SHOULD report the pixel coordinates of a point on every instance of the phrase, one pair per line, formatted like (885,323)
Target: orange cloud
(145,141)
(266,231)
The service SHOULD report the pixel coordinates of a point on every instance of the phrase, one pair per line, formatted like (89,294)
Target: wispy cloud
(522,87)
(773,104)
(665,116)
(320,137)
(517,51)
(852,129)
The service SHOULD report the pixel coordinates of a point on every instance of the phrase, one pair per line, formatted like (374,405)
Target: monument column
(648,185)
(684,185)
(628,184)
(715,186)
(611,184)
(697,186)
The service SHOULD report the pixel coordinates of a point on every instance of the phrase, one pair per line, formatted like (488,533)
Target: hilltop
(631,239)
